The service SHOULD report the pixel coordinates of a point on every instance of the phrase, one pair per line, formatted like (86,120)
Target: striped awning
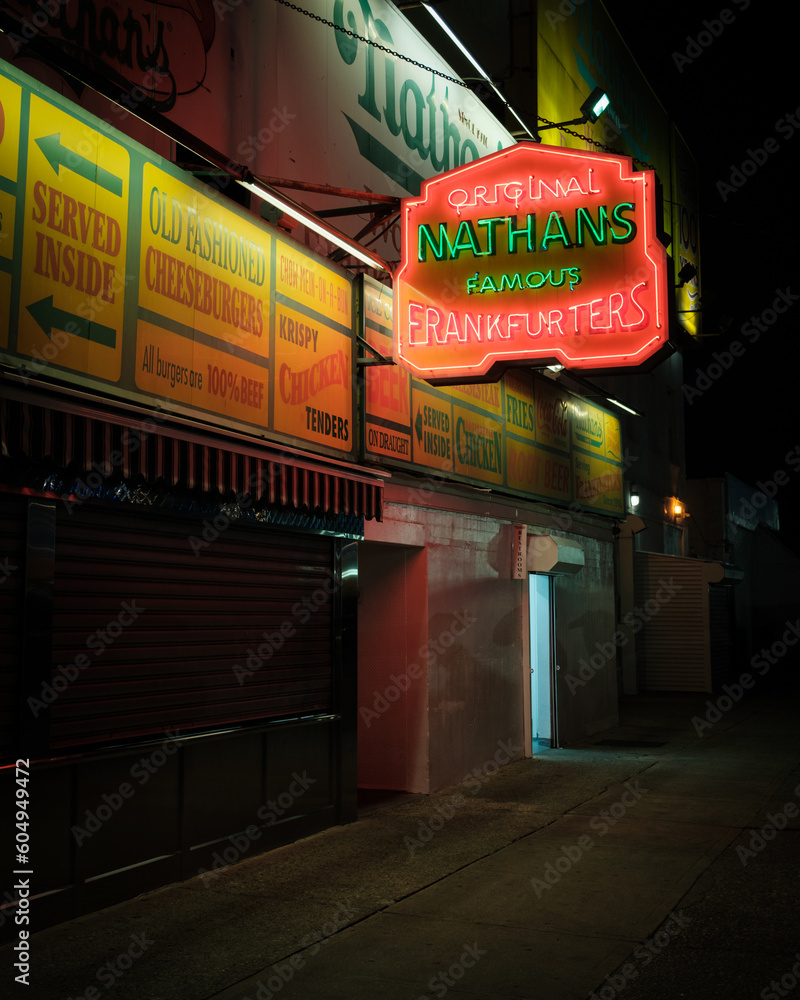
(115,445)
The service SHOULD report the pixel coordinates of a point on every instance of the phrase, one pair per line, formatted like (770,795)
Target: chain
(369,41)
(594,142)
(443,76)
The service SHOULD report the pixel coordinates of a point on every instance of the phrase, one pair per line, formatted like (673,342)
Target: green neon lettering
(531,282)
(515,281)
(561,234)
(440,249)
(467,239)
(528,231)
(629,224)
(491,229)
(584,220)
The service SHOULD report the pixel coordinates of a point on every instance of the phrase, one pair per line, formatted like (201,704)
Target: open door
(544,729)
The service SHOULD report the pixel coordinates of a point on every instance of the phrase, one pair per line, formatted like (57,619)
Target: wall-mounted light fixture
(307,218)
(623,406)
(595,104)
(634,495)
(589,389)
(675,509)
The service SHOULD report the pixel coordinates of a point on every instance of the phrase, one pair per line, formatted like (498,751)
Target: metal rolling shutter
(673,645)
(153,632)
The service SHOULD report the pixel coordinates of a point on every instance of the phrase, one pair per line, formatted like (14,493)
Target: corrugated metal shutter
(158,636)
(12,572)
(672,647)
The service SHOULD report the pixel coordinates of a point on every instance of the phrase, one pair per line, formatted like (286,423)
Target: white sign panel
(303,98)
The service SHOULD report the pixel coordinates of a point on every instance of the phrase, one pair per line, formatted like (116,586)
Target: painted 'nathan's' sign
(533,255)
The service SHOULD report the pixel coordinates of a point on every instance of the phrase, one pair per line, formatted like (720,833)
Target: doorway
(544,729)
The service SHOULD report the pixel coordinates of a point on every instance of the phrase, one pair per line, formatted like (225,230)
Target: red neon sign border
(643,177)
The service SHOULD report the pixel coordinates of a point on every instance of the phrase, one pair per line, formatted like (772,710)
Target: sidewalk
(647,862)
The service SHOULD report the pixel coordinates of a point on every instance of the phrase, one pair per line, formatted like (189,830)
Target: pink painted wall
(392,668)
(477,619)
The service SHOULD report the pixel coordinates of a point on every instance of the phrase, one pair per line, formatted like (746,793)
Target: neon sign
(532,255)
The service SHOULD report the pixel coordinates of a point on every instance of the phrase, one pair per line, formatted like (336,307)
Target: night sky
(730,83)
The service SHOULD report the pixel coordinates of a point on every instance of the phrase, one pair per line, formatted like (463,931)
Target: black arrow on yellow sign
(49,316)
(418,426)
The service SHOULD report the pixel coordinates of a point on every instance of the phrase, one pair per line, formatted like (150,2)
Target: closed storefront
(178,661)
(683,623)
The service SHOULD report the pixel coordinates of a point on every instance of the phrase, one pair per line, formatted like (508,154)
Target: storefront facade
(236,545)
(181,508)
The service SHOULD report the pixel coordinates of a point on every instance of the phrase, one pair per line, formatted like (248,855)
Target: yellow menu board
(124,275)
(523,434)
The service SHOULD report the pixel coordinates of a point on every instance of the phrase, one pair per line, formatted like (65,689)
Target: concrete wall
(476,650)
(475,630)
(392,670)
